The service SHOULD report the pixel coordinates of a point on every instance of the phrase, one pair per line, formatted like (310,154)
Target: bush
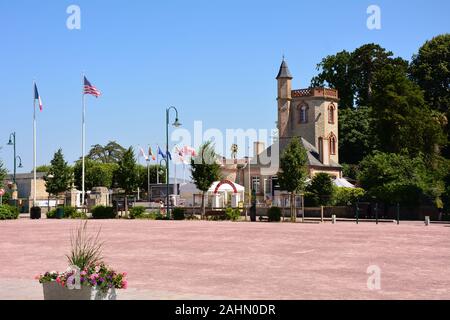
(69,213)
(51,214)
(274,214)
(233,214)
(347,196)
(102,212)
(8,212)
(178,214)
(311,200)
(137,212)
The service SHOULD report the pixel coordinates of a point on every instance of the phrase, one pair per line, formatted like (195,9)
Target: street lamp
(12,142)
(176,124)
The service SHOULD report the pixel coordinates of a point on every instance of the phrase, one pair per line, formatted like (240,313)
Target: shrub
(102,212)
(69,213)
(178,214)
(347,196)
(137,212)
(51,214)
(8,212)
(233,214)
(311,200)
(274,214)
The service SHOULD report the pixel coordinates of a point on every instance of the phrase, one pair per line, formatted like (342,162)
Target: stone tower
(284,99)
(310,113)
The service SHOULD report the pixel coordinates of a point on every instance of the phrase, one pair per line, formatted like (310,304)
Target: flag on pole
(90,89)
(161,153)
(150,154)
(189,151)
(143,154)
(37,97)
(170,155)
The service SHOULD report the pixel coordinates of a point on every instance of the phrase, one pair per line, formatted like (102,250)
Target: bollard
(333,219)
(321,214)
(427,220)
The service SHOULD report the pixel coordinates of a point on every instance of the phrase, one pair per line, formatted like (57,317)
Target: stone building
(309,114)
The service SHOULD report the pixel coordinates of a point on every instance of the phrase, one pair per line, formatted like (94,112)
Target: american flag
(90,89)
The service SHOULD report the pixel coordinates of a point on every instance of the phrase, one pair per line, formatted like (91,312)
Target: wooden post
(321,214)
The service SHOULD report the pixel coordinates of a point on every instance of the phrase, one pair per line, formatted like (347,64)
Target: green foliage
(233,214)
(356,136)
(43,169)
(6,197)
(69,213)
(404,123)
(347,196)
(86,249)
(274,214)
(97,174)
(293,167)
(60,175)
(205,169)
(178,214)
(311,200)
(446,195)
(394,178)
(3,174)
(102,212)
(430,69)
(8,212)
(137,212)
(350,170)
(322,187)
(110,153)
(126,174)
(143,175)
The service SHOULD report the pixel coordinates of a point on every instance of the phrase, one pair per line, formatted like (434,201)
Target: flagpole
(34,144)
(83,144)
(157,167)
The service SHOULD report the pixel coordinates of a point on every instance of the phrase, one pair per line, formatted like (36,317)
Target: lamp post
(12,142)
(176,124)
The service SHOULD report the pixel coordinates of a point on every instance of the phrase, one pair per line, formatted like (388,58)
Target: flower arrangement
(100,277)
(87,269)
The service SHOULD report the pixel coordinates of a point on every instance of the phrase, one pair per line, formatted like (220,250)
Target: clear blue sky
(215,60)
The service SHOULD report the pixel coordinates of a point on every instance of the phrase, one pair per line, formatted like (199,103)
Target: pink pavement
(244,260)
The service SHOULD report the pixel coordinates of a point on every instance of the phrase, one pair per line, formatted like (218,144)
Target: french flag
(37,97)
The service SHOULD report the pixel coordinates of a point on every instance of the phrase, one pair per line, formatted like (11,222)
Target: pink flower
(124,284)
(83,273)
(124,274)
(37,277)
(58,280)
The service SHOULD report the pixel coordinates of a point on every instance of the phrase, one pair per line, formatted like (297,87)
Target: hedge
(8,212)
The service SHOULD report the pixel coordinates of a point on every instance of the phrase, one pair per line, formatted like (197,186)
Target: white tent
(343,183)
(226,187)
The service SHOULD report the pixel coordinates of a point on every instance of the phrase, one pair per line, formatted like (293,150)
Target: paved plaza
(224,260)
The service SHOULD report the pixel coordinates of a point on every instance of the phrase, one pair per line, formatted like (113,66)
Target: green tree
(110,153)
(357,139)
(3,174)
(430,69)
(396,178)
(205,170)
(59,177)
(97,174)
(322,187)
(293,171)
(127,174)
(42,169)
(403,121)
(143,175)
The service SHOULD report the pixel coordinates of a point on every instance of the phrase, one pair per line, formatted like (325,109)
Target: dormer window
(331,114)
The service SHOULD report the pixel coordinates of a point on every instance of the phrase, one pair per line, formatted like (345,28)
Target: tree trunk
(203,206)
(126,205)
(293,213)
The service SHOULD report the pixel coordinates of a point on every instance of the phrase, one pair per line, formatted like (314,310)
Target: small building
(310,115)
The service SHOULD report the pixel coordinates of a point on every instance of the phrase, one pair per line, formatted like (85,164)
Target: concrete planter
(54,291)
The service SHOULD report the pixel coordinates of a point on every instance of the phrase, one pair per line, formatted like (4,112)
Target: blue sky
(215,60)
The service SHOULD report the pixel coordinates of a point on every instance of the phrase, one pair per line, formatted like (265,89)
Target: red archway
(226,182)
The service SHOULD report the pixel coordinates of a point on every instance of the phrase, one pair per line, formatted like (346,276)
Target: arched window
(331,114)
(303,114)
(333,144)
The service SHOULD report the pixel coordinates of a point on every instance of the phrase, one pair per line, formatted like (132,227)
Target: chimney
(258,148)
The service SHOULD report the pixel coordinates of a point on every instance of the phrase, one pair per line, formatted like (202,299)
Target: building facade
(308,114)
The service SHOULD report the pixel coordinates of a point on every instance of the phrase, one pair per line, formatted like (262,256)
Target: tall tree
(357,139)
(127,174)
(403,121)
(293,171)
(97,174)
(59,177)
(205,170)
(110,153)
(3,173)
(430,69)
